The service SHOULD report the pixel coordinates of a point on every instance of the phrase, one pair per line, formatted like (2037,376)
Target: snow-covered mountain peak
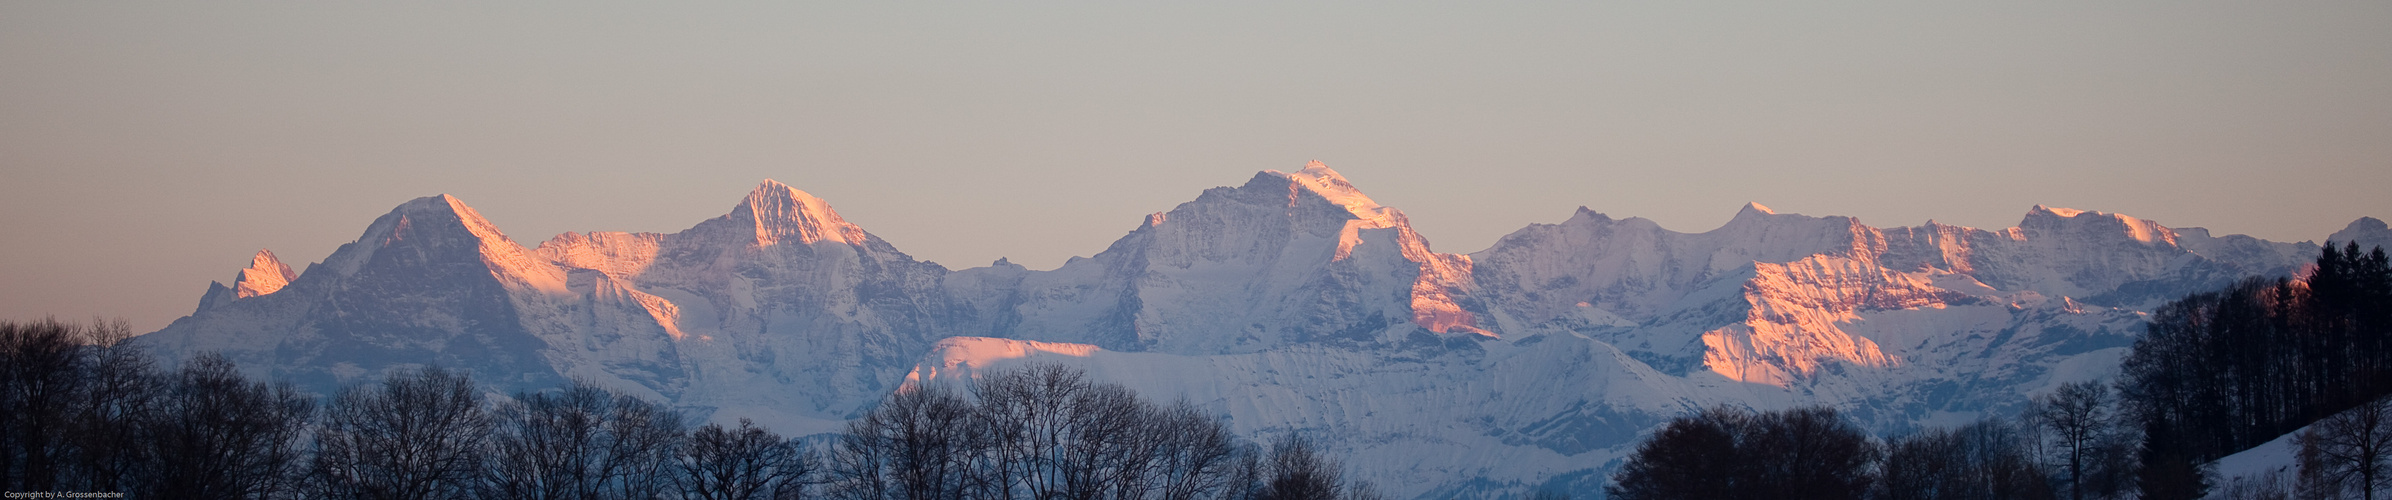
(2370,232)
(442,227)
(449,212)
(1755,208)
(265,275)
(1320,180)
(2366,224)
(782,213)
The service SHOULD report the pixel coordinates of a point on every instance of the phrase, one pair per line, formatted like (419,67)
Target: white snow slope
(1292,303)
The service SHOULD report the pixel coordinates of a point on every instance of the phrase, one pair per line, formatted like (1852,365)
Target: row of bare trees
(2067,444)
(1730,454)
(84,411)
(1046,432)
(87,411)
(429,434)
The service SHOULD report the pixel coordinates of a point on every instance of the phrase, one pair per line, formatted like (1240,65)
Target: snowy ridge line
(1292,302)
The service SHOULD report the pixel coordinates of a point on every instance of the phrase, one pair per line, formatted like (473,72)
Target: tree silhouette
(1726,453)
(419,434)
(2348,452)
(743,463)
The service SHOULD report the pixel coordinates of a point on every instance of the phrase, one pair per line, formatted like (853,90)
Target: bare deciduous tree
(1732,454)
(41,369)
(1297,471)
(648,438)
(2347,453)
(2086,439)
(1043,432)
(745,463)
(419,434)
(1690,457)
(1194,453)
(121,394)
(1986,459)
(219,435)
(915,445)
(583,442)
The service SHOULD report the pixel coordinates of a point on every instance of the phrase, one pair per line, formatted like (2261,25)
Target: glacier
(1290,303)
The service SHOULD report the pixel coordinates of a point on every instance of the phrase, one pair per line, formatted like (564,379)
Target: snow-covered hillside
(1292,302)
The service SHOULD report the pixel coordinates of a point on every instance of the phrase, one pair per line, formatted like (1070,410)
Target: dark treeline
(1728,454)
(87,412)
(2057,449)
(2223,371)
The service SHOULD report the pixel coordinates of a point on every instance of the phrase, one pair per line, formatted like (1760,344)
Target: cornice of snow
(2041,210)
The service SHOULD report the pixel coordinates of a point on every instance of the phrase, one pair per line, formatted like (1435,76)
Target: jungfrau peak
(1321,181)
(1441,275)
(1286,258)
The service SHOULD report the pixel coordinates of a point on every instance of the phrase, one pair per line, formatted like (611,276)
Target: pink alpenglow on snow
(265,275)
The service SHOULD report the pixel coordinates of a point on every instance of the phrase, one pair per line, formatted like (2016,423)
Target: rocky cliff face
(1290,302)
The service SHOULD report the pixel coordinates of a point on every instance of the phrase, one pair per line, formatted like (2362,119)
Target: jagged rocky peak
(782,213)
(266,274)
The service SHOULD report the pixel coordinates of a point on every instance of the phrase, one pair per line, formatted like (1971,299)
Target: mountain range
(1290,303)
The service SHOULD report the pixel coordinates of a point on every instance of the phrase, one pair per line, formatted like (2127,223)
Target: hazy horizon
(150,147)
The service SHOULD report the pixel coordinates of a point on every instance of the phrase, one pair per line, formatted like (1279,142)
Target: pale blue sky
(149,147)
